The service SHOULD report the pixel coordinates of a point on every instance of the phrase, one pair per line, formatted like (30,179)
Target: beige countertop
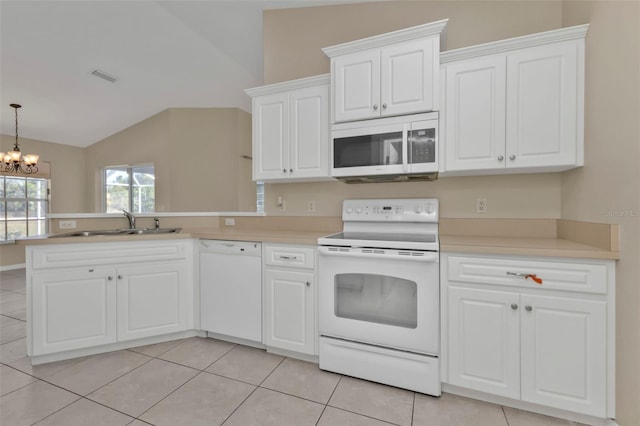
(570,239)
(524,246)
(259,235)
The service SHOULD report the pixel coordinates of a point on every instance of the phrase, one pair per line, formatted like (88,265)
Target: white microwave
(387,149)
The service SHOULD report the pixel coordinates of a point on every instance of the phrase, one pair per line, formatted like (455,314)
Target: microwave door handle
(405,146)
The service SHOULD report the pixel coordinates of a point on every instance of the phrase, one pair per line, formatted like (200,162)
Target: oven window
(379,299)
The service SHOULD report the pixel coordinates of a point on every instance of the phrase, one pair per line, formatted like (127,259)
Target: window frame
(26,199)
(130,170)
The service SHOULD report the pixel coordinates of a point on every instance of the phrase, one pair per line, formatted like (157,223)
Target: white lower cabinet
(523,341)
(152,299)
(290,299)
(75,307)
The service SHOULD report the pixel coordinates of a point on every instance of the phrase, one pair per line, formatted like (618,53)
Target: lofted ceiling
(179,53)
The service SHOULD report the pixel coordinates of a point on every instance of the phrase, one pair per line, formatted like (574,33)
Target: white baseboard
(12,267)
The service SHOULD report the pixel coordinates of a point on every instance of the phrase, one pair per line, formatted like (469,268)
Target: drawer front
(566,276)
(66,255)
(290,256)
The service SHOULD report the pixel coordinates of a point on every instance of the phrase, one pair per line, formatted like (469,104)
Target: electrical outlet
(67,224)
(229,221)
(481,205)
(311,206)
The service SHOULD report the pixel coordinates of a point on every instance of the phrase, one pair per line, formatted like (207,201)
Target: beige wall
(292,42)
(196,153)
(607,188)
(516,196)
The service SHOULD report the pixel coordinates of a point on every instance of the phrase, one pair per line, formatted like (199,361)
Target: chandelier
(14,161)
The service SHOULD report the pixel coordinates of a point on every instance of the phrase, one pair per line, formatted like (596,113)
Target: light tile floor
(207,382)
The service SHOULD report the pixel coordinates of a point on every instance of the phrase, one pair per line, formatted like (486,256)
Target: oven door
(384,297)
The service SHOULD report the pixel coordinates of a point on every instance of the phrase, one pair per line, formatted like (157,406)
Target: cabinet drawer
(290,257)
(567,276)
(62,256)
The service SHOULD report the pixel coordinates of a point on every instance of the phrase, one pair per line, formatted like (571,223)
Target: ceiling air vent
(104,76)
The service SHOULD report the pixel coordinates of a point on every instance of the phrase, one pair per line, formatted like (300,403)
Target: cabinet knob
(375,107)
(110,278)
(119,277)
(514,306)
(512,157)
(500,157)
(290,170)
(528,308)
(384,106)
(284,170)
(308,283)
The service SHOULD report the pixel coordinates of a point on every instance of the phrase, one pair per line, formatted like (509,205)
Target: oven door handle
(428,257)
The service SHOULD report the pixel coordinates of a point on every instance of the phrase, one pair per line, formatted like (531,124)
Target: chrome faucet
(131,218)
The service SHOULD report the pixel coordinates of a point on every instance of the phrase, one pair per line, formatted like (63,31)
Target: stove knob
(358,210)
(349,210)
(430,208)
(418,210)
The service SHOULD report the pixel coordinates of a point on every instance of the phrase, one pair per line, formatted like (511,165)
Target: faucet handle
(156,222)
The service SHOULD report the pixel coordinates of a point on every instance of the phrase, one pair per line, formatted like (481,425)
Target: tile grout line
(504,413)
(192,378)
(329,399)
(413,408)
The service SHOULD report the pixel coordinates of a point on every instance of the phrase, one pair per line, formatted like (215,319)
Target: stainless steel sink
(152,231)
(124,231)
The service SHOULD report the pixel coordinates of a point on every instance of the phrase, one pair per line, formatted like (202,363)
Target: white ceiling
(178,53)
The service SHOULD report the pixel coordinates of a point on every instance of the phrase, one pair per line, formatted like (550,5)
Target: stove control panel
(392,210)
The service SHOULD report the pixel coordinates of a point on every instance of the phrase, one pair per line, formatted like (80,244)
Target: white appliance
(387,149)
(379,287)
(231,288)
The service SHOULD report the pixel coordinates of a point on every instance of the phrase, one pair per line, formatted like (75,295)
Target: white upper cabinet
(291,130)
(475,113)
(391,74)
(515,105)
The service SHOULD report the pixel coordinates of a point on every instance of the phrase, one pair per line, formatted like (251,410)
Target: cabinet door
(309,126)
(484,341)
(289,310)
(475,117)
(542,105)
(73,309)
(271,137)
(152,299)
(356,86)
(409,77)
(564,353)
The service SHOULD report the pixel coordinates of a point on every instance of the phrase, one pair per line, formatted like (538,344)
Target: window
(130,188)
(24,203)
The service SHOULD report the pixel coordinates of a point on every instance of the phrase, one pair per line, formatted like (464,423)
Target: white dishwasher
(231,288)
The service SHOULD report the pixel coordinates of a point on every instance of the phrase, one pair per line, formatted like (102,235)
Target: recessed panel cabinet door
(484,341)
(73,309)
(270,136)
(356,86)
(475,116)
(152,299)
(564,353)
(289,310)
(409,77)
(542,105)
(309,124)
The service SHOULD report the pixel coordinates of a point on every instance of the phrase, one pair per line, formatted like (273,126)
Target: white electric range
(379,290)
